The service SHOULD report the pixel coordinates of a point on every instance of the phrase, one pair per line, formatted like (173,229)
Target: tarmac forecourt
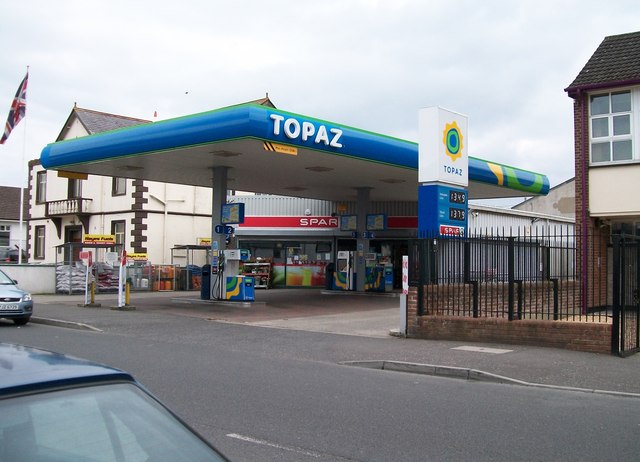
(374,320)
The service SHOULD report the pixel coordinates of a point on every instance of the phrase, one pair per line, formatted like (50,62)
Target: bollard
(126,294)
(93,292)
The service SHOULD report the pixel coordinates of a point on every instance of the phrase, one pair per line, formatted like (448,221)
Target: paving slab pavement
(371,316)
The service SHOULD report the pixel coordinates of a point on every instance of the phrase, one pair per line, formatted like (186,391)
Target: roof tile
(10,203)
(616,61)
(97,122)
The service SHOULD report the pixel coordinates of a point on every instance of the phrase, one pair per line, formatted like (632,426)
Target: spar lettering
(318,222)
(293,129)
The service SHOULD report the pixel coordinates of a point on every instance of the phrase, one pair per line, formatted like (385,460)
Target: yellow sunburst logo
(452,140)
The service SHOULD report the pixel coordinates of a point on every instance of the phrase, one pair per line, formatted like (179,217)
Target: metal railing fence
(510,274)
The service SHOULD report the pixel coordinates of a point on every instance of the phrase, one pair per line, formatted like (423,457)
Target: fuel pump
(343,279)
(217,278)
(234,285)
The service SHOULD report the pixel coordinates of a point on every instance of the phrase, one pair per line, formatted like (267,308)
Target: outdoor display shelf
(71,272)
(161,277)
(189,276)
(261,271)
(137,273)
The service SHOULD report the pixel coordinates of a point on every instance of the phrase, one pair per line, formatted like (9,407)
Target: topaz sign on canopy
(306,130)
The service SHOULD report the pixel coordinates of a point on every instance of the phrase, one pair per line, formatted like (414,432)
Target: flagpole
(24,174)
(24,142)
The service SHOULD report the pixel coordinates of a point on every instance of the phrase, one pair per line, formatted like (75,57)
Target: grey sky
(364,63)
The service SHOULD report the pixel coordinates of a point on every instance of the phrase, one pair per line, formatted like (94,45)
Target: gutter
(576,92)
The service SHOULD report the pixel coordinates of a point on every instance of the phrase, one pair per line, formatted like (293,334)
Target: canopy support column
(362,243)
(218,199)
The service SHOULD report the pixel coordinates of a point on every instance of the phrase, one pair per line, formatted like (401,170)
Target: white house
(145,217)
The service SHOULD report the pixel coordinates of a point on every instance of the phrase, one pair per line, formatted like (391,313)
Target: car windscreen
(107,423)
(4,279)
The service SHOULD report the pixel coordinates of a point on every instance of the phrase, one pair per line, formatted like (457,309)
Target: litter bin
(205,288)
(328,276)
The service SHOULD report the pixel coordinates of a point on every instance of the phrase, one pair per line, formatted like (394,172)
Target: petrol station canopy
(267,150)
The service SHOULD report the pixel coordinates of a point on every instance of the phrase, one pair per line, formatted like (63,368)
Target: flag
(18,109)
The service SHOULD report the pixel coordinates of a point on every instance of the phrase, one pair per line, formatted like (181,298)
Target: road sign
(85,256)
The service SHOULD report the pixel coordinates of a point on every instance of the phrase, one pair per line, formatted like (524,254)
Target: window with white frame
(39,242)
(74,189)
(118,186)
(118,230)
(5,235)
(41,187)
(612,127)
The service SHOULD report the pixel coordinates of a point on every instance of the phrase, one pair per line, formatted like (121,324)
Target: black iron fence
(626,294)
(514,275)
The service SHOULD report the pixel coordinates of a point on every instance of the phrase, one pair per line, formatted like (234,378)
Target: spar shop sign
(306,131)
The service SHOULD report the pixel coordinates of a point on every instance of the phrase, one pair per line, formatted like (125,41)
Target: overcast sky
(365,63)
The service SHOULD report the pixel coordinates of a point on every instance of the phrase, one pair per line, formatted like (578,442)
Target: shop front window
(294,263)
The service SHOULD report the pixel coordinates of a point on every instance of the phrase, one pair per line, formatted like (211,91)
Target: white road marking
(494,351)
(274,445)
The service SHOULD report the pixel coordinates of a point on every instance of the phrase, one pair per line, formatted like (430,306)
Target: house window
(5,235)
(39,243)
(626,228)
(118,186)
(118,230)
(41,187)
(611,122)
(74,189)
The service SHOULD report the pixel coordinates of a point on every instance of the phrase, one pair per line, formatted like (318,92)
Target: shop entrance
(72,234)
(383,261)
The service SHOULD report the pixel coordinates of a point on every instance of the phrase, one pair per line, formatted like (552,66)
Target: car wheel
(21,321)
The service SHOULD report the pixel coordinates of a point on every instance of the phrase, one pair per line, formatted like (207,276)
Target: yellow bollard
(127,293)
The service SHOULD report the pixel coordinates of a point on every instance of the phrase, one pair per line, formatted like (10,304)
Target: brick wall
(582,336)
(592,254)
(536,299)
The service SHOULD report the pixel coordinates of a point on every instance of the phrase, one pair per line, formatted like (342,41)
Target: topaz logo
(294,130)
(452,140)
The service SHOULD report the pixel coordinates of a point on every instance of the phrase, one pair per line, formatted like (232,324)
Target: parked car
(55,407)
(15,303)
(10,255)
